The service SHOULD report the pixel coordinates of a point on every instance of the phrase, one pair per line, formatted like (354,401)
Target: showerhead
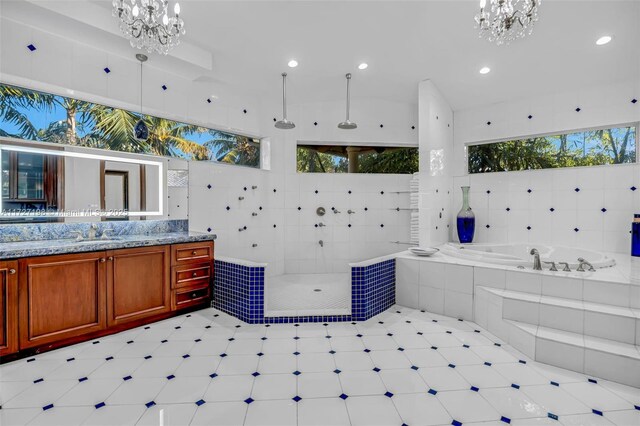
(284,124)
(348,124)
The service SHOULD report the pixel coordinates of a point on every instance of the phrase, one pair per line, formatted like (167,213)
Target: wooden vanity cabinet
(8,307)
(191,274)
(61,297)
(138,283)
(52,301)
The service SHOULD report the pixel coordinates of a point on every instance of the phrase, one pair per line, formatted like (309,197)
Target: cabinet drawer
(197,274)
(189,296)
(191,252)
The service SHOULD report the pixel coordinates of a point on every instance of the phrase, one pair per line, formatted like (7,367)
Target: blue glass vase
(466,220)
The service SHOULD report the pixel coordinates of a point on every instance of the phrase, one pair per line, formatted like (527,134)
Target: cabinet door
(138,283)
(9,307)
(61,297)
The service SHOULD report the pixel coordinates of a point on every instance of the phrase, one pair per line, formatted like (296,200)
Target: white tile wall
(607,187)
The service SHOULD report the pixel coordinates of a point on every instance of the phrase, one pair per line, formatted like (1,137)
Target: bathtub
(519,254)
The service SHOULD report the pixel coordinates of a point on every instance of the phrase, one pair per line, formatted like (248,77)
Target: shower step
(590,319)
(602,358)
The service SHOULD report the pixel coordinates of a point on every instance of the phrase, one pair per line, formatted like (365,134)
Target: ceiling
(403,42)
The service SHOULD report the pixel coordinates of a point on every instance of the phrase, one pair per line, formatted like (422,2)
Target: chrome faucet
(566,266)
(92,232)
(553,266)
(537,266)
(321,243)
(351,211)
(584,263)
(321,225)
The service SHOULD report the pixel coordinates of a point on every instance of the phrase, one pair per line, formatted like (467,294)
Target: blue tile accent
(451,366)
(372,289)
(38,380)
(109,358)
(148,357)
(554,383)
(170,377)
(125,378)
(31,359)
(522,361)
(593,381)
(296,373)
(597,412)
(475,389)
(82,379)
(388,394)
(164,87)
(100,405)
(248,400)
(552,416)
(47,407)
(213,375)
(454,422)
(506,420)
(107,70)
(150,404)
(376,369)
(465,346)
(200,402)
(344,396)
(432,391)
(239,291)
(71,359)
(637,407)
(488,364)
(296,398)
(31,47)
(256,374)
(413,367)
(515,386)
(185,356)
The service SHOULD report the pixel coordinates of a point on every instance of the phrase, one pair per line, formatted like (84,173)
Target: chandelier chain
(506,20)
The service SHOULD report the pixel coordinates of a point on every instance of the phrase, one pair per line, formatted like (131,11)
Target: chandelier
(147,24)
(506,20)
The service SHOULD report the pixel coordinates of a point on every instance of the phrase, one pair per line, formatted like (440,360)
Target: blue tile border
(239,291)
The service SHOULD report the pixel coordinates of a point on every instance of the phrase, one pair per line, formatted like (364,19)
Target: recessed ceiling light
(603,40)
(485,70)
(363,66)
(293,63)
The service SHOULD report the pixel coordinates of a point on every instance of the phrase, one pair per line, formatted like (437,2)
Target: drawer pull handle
(194,295)
(110,257)
(195,274)
(102,260)
(12,271)
(194,252)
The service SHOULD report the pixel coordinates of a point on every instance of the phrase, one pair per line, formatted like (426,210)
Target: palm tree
(233,149)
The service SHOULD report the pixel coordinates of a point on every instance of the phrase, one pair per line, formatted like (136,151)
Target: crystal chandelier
(507,20)
(147,24)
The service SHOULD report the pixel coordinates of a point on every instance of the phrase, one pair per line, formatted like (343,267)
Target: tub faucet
(537,266)
(584,263)
(553,265)
(566,266)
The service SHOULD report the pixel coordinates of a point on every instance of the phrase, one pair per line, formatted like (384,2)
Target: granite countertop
(15,250)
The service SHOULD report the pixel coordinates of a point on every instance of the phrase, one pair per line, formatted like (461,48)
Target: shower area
(317,278)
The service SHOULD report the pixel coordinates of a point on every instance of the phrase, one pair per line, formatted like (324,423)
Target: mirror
(62,185)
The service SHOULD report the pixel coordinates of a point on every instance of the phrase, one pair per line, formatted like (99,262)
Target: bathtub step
(602,358)
(609,322)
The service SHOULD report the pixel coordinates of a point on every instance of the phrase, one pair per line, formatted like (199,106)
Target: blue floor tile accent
(372,289)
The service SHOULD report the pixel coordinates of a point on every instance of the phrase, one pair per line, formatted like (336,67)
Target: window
(614,145)
(38,116)
(356,159)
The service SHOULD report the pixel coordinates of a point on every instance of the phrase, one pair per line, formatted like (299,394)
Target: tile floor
(401,367)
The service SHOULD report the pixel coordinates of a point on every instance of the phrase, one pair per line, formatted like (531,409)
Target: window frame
(635,124)
(308,143)
(115,104)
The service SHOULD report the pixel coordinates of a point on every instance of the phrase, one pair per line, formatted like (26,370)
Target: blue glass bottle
(466,220)
(635,236)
